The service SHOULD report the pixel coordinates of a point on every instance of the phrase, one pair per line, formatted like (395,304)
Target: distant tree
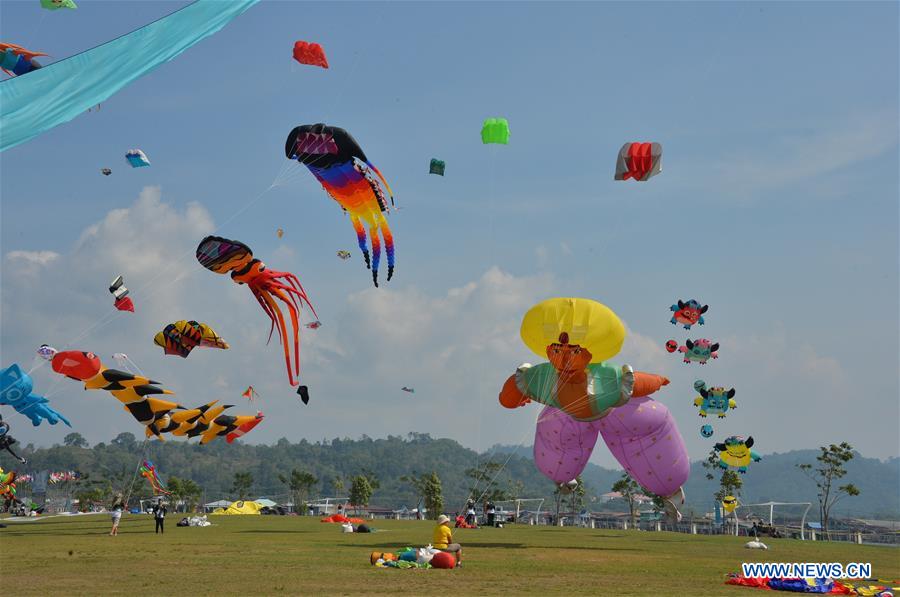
(830,468)
(575,494)
(175,486)
(659,503)
(485,485)
(428,487)
(629,489)
(75,440)
(242,483)
(338,484)
(301,484)
(190,493)
(578,495)
(125,441)
(362,487)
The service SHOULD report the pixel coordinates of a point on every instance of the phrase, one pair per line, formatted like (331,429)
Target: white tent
(218,504)
(265,502)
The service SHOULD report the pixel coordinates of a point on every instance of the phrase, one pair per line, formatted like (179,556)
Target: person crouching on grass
(443,537)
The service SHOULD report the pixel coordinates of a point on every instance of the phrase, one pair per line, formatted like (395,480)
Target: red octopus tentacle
(282,331)
(294,288)
(295,323)
(257,293)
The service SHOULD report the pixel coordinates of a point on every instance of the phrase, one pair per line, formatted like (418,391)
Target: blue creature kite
(15,390)
(713,401)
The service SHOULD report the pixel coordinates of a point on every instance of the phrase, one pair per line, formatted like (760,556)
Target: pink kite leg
(644,438)
(562,445)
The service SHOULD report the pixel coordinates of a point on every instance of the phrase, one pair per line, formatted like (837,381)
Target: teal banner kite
(45,98)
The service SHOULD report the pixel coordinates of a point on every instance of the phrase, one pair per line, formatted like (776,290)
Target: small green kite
(57,4)
(495,130)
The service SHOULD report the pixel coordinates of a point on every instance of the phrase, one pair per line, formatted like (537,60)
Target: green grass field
(262,555)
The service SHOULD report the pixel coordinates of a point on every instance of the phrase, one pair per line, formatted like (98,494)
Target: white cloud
(803,157)
(33,257)
(30,263)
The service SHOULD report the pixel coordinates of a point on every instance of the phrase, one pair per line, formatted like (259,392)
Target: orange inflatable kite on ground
(310,53)
(340,518)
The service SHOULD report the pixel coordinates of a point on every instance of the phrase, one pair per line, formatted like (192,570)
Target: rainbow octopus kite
(584,397)
(221,256)
(339,163)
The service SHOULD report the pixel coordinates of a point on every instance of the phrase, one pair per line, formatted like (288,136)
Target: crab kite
(221,255)
(16,389)
(181,337)
(16,60)
(639,161)
(340,165)
(310,53)
(585,397)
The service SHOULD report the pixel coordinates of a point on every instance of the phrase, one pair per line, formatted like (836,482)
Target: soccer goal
(516,510)
(777,519)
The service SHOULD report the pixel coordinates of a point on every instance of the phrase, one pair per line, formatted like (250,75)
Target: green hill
(213,467)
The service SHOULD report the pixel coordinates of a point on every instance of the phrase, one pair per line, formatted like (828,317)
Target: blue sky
(777,206)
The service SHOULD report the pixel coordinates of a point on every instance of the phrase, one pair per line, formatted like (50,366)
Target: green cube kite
(437,167)
(495,130)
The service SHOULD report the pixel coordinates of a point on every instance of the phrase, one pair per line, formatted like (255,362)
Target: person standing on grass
(443,537)
(118,506)
(159,513)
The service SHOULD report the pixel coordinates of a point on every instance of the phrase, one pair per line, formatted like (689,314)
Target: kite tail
(388,246)
(361,239)
(376,252)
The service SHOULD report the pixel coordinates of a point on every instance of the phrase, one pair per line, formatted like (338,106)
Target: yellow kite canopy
(588,323)
(238,508)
